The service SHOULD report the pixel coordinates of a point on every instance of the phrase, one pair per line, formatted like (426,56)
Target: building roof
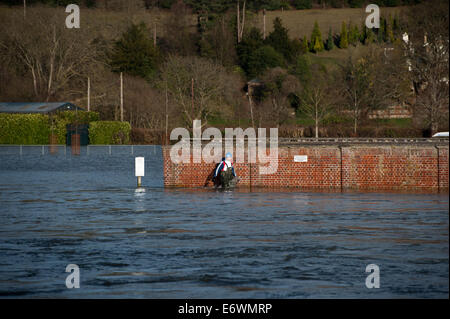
(37,107)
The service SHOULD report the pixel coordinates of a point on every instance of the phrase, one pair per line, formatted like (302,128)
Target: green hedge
(36,128)
(61,119)
(24,129)
(109,132)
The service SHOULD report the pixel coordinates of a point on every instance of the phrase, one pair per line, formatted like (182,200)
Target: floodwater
(153,242)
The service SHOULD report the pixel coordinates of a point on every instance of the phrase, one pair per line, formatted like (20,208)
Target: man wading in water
(225,172)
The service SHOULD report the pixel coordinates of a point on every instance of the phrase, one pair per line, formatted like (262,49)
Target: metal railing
(62,149)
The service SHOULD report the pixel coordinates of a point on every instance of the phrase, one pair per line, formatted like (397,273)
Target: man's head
(228,157)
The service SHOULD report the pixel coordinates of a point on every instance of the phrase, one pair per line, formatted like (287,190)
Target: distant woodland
(310,68)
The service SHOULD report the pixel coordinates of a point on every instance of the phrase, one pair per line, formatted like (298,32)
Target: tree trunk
(251,104)
(238,22)
(317,124)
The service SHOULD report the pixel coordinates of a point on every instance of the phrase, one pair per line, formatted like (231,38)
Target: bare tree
(372,81)
(240,21)
(318,97)
(278,86)
(143,104)
(213,86)
(179,36)
(52,54)
(428,54)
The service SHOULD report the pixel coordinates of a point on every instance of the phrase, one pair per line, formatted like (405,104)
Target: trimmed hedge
(61,119)
(109,132)
(36,128)
(24,129)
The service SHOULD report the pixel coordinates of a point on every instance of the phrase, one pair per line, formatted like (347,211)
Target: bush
(36,128)
(109,132)
(147,136)
(262,59)
(135,53)
(61,119)
(24,129)
(302,4)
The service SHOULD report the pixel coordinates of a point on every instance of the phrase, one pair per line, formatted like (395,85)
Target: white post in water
(139,169)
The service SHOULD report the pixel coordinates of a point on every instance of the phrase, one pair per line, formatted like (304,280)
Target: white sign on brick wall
(300,158)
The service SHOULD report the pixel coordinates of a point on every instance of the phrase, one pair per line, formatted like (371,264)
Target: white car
(441,134)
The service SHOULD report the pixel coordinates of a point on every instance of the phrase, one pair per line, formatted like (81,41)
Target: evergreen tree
(382,30)
(317,46)
(262,59)
(363,33)
(343,41)
(356,35)
(396,24)
(301,69)
(369,36)
(302,4)
(134,53)
(389,32)
(279,40)
(304,45)
(353,34)
(316,39)
(246,48)
(330,41)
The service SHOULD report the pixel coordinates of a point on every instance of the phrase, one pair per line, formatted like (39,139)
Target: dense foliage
(109,132)
(221,6)
(24,129)
(37,128)
(135,53)
(59,121)
(196,60)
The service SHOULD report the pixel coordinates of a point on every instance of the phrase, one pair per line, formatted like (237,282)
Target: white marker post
(139,169)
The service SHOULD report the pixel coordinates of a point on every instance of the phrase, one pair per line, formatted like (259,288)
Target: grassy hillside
(109,23)
(301,22)
(298,22)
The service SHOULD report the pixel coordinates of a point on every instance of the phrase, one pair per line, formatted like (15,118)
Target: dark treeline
(221,6)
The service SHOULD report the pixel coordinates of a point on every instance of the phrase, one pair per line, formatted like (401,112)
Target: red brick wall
(384,167)
(443,168)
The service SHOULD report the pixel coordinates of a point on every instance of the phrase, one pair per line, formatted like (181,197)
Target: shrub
(302,4)
(24,129)
(280,41)
(109,132)
(36,128)
(135,53)
(316,39)
(147,136)
(61,119)
(262,59)
(343,39)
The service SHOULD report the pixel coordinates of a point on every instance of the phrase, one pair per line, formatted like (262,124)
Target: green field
(301,22)
(298,22)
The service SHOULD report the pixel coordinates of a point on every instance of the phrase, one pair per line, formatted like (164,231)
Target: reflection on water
(153,242)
